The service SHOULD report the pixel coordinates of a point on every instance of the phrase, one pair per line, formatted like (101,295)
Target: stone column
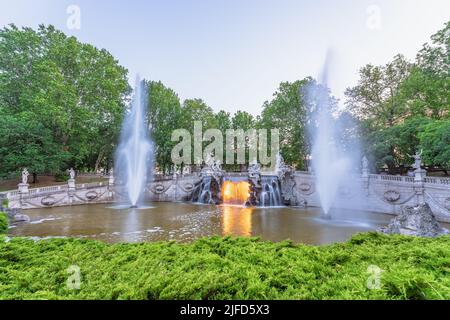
(365,174)
(419,185)
(71,190)
(71,183)
(23,188)
(111,184)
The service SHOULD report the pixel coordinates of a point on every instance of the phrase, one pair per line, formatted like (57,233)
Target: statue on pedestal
(25,175)
(280,167)
(417,160)
(111,176)
(365,167)
(72,173)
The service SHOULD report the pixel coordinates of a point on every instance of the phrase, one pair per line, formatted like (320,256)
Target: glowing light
(237,221)
(235,192)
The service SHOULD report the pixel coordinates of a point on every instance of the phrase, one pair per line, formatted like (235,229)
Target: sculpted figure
(72,173)
(417,160)
(25,175)
(365,163)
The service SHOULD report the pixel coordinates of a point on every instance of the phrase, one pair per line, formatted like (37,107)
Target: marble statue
(209,160)
(72,173)
(25,175)
(280,167)
(417,160)
(254,169)
(365,164)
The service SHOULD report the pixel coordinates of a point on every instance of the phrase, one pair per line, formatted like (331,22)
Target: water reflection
(236,221)
(186,222)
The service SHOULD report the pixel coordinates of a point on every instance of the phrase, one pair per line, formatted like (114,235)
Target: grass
(226,268)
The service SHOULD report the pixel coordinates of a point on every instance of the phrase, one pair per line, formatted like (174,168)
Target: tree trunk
(34,177)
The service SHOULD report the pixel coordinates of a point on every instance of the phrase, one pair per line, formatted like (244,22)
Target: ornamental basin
(186,222)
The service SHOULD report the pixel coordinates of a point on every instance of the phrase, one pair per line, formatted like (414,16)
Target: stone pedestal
(23,188)
(111,186)
(365,173)
(419,185)
(71,183)
(419,175)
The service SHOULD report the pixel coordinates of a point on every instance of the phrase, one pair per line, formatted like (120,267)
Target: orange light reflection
(237,221)
(235,192)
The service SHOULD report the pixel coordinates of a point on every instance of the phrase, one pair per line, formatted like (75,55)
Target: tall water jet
(329,163)
(134,155)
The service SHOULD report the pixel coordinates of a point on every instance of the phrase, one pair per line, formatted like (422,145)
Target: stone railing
(385,177)
(380,192)
(59,195)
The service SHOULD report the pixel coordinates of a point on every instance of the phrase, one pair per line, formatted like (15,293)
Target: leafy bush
(227,268)
(3,223)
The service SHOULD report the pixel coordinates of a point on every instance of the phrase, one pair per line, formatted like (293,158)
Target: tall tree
(377,97)
(288,113)
(165,115)
(77,91)
(427,89)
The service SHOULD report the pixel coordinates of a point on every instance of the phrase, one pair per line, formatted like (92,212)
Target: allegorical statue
(365,164)
(254,168)
(25,175)
(72,173)
(417,160)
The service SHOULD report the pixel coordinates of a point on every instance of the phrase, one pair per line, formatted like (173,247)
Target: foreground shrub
(3,222)
(227,268)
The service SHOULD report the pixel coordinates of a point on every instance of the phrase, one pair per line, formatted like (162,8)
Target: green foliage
(164,116)
(3,223)
(287,112)
(64,93)
(25,142)
(403,106)
(376,96)
(227,268)
(435,141)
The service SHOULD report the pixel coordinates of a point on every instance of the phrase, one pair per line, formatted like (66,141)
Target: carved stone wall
(378,193)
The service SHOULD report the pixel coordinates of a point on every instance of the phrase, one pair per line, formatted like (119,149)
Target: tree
(197,110)
(24,138)
(426,90)
(243,120)
(223,120)
(288,113)
(435,142)
(377,97)
(165,115)
(77,91)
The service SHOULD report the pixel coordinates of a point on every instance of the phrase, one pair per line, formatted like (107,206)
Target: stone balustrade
(371,192)
(378,192)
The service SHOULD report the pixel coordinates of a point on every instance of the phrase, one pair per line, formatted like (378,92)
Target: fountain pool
(186,222)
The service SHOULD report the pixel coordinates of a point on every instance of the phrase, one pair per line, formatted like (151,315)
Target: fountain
(135,151)
(330,166)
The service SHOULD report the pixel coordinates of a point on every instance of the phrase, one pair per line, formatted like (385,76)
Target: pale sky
(234,53)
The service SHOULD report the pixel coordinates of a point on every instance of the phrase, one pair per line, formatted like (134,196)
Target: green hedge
(227,268)
(3,223)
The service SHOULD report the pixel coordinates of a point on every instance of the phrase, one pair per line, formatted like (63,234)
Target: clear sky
(234,53)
